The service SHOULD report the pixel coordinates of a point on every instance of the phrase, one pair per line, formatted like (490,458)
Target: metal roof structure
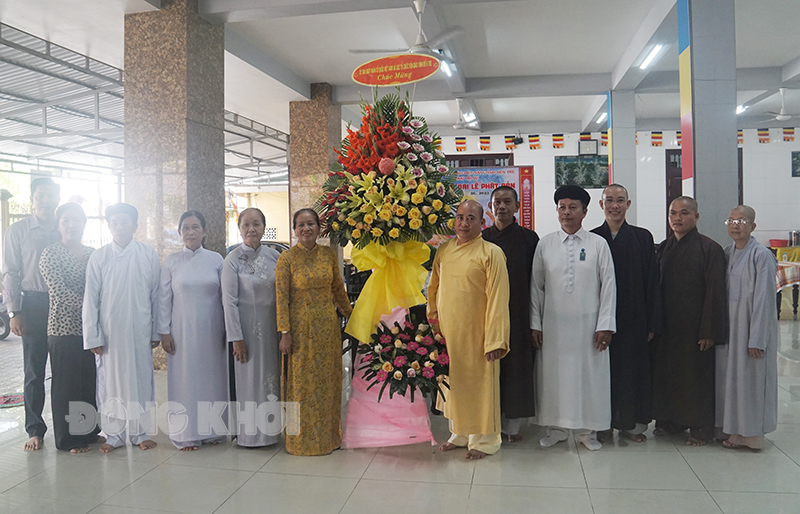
(63,110)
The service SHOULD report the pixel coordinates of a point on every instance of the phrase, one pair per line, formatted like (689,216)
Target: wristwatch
(12,314)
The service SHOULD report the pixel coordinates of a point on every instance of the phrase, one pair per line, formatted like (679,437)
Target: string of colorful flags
(656,139)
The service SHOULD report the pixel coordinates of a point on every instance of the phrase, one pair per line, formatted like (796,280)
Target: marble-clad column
(174,120)
(315,128)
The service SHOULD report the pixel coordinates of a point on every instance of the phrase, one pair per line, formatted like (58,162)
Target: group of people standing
(592,331)
(588,331)
(99,313)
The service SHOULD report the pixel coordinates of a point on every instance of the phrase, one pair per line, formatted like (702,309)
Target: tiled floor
(661,475)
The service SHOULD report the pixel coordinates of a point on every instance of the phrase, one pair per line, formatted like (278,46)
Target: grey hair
(748,212)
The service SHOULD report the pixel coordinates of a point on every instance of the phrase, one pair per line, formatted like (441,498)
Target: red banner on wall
(394,70)
(526,215)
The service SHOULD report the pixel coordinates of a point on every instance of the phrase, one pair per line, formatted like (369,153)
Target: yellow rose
(385,215)
(401,211)
(398,375)
(398,343)
(351,222)
(417,198)
(437,337)
(426,209)
(447,208)
(359,225)
(422,188)
(356,234)
(387,367)
(418,338)
(428,364)
(414,213)
(369,218)
(412,183)
(434,355)
(376,232)
(394,233)
(451,223)
(437,204)
(335,226)
(432,219)
(415,365)
(415,224)
(395,330)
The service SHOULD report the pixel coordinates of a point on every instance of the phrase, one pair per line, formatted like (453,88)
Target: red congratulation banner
(393,70)
(526,197)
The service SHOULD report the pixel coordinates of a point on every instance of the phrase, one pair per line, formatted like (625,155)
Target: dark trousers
(35,307)
(74,380)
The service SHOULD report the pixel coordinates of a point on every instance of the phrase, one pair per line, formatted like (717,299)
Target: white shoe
(590,443)
(549,441)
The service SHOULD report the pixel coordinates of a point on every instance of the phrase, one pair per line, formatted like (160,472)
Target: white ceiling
(553,47)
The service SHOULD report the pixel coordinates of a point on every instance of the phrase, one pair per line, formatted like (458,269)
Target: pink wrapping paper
(392,422)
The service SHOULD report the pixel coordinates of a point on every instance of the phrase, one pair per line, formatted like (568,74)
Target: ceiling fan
(469,122)
(782,115)
(422,45)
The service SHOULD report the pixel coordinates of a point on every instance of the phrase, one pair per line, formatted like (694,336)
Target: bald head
(688,201)
(469,220)
(747,212)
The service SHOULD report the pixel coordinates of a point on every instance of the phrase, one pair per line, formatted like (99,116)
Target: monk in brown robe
(695,318)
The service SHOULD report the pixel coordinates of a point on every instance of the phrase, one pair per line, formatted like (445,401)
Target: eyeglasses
(730,221)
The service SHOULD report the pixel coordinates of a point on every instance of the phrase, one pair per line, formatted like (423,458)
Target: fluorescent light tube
(601,118)
(650,57)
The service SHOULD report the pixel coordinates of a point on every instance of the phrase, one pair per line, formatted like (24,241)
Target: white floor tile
(541,500)
(637,470)
(82,480)
(276,494)
(623,444)
(427,497)
(746,472)
(762,503)
(181,489)
(24,505)
(225,456)
(163,451)
(340,463)
(113,509)
(553,467)
(615,501)
(788,407)
(418,463)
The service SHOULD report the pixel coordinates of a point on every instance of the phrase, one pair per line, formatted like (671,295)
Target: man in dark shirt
(516,370)
(26,299)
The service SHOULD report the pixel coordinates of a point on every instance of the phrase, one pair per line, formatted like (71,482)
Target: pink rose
(411,373)
(386,166)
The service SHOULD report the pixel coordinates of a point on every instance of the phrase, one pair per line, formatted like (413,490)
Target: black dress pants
(74,380)
(35,308)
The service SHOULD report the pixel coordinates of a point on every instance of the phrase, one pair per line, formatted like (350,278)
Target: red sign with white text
(526,197)
(393,70)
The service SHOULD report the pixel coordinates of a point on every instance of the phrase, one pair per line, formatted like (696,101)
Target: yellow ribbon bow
(396,281)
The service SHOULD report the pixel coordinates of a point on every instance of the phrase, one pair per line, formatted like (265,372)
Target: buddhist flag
(486,143)
(740,137)
(586,136)
(678,137)
(637,137)
(604,138)
(656,138)
(558,140)
(763,135)
(533,141)
(788,134)
(461,144)
(510,143)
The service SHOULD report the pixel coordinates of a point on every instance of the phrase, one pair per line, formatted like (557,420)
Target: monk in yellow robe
(468,305)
